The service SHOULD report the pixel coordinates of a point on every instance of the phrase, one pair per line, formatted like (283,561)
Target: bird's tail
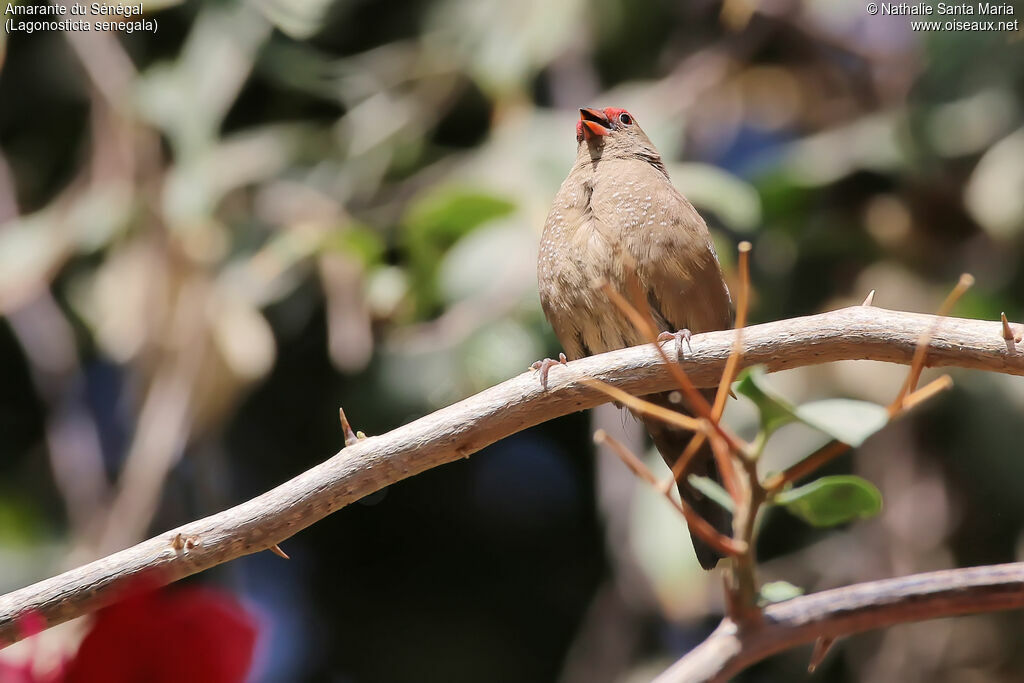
(671,442)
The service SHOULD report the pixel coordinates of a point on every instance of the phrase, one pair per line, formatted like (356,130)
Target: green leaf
(357,240)
(443,216)
(832,500)
(846,420)
(713,490)
(778,591)
(432,225)
(775,411)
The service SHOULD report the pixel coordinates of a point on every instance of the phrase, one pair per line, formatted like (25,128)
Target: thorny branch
(744,616)
(463,428)
(831,614)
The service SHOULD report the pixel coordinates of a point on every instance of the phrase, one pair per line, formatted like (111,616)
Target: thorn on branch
(821,647)
(276,549)
(350,436)
(869,299)
(1008,333)
(182,543)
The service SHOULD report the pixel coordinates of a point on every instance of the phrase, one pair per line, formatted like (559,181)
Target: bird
(617,218)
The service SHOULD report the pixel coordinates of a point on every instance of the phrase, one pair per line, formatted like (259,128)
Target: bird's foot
(545,365)
(680,336)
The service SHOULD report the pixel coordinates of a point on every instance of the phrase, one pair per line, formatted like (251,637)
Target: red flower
(29,624)
(186,634)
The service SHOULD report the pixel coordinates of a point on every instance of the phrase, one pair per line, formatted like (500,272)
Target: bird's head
(612,132)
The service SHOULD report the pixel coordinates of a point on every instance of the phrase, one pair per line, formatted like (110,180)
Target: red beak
(594,123)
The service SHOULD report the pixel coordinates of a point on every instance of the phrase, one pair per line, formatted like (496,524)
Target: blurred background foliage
(213,236)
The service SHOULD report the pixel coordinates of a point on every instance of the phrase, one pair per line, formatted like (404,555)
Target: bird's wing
(678,265)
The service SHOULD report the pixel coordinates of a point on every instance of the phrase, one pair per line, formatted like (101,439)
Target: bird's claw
(545,365)
(680,336)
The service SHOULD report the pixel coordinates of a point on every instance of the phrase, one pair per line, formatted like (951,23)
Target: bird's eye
(625,119)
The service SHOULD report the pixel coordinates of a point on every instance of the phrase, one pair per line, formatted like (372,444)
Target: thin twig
(742,577)
(682,465)
(965,283)
(937,385)
(643,324)
(813,462)
(742,303)
(697,524)
(695,398)
(643,407)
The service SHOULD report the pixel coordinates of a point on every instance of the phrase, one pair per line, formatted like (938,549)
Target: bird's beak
(595,123)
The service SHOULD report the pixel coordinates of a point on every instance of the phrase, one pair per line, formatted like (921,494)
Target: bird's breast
(574,258)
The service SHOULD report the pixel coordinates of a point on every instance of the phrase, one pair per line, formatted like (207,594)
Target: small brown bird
(618,218)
